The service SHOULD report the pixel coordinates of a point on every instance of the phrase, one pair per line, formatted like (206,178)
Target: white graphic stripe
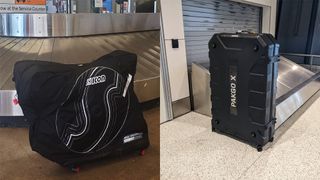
(109,109)
(122,123)
(84,106)
(84,112)
(70,92)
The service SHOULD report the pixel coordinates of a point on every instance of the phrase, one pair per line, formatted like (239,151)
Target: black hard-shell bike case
(244,70)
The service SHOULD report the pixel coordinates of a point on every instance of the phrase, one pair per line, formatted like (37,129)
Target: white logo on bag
(233,91)
(96,80)
(132,137)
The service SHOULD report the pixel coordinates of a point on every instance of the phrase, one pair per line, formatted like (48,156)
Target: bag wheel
(75,169)
(142,152)
(259,148)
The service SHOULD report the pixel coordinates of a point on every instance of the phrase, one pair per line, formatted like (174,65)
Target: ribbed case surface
(244,70)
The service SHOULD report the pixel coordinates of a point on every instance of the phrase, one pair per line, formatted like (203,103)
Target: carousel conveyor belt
(295,86)
(76,50)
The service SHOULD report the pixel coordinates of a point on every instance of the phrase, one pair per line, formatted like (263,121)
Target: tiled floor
(189,150)
(17,161)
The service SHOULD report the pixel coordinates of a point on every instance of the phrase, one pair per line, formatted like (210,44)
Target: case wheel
(259,148)
(216,130)
(271,139)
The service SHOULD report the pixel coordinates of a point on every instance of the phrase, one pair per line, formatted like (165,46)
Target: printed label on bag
(233,90)
(96,80)
(129,79)
(132,137)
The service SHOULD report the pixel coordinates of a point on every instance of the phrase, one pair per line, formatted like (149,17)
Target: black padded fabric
(82,112)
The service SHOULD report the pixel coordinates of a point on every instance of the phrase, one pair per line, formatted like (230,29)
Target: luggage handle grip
(245,32)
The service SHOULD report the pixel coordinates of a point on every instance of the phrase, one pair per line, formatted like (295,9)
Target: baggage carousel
(295,86)
(77,39)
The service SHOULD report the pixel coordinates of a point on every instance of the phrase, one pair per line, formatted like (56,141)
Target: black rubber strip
(14,122)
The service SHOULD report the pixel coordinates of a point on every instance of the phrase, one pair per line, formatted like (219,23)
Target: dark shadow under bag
(83,112)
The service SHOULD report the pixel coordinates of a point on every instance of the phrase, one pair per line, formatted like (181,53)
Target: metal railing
(312,57)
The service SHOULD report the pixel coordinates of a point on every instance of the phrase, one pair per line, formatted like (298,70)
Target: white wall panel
(178,74)
(172,19)
(171,11)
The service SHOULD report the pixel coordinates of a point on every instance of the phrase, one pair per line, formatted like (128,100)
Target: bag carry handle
(245,32)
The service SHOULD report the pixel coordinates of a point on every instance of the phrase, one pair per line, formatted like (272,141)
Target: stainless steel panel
(66,25)
(147,89)
(201,89)
(290,76)
(181,107)
(86,49)
(7,108)
(295,101)
(166,101)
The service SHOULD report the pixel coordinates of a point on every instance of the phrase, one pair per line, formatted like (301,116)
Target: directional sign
(31,2)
